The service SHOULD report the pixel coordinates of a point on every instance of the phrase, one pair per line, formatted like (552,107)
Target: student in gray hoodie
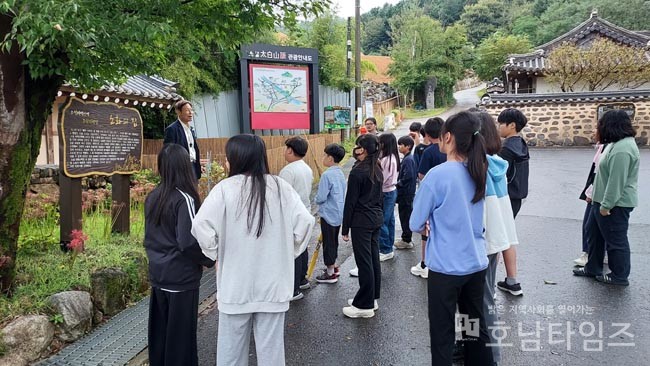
(254,225)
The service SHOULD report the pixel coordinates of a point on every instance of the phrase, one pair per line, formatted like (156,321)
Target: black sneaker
(304,284)
(512,289)
(325,278)
(606,278)
(581,272)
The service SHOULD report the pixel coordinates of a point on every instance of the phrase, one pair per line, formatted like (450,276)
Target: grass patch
(410,113)
(43,269)
(481,92)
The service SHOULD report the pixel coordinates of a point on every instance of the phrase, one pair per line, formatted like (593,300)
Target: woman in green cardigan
(614,198)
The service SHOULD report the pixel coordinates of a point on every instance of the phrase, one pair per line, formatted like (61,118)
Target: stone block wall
(49,174)
(571,123)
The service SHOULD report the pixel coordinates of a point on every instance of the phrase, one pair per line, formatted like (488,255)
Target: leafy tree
(89,43)
(484,18)
(422,50)
(448,11)
(527,26)
(494,50)
(328,34)
(561,16)
(376,36)
(599,66)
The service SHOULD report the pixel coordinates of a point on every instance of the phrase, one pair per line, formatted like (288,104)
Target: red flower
(77,244)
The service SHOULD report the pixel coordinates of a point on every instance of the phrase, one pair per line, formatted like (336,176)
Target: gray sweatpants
(234,335)
(489,308)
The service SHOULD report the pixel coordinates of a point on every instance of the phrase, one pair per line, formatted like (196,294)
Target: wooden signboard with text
(97,139)
(100,139)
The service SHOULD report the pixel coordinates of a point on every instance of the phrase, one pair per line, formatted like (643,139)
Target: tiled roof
(536,61)
(528,99)
(140,87)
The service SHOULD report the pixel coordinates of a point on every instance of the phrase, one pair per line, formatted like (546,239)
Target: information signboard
(627,107)
(100,139)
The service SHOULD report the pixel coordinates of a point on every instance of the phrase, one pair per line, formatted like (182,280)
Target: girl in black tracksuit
(363,215)
(175,261)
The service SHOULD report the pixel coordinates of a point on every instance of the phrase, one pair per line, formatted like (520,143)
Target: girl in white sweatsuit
(254,225)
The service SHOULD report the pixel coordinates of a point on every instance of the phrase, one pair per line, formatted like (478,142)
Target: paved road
(549,229)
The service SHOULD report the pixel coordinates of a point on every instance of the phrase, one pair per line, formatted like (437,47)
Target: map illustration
(279,90)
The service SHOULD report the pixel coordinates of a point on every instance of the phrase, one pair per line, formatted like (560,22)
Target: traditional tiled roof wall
(600,97)
(569,119)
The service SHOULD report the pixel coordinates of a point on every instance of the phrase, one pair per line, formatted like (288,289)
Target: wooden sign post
(97,139)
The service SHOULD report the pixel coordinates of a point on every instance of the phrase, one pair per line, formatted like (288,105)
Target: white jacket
(253,274)
(498,220)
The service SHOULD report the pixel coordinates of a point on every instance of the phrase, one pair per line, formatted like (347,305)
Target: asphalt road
(549,228)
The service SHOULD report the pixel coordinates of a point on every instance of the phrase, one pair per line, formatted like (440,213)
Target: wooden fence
(275,147)
(383,108)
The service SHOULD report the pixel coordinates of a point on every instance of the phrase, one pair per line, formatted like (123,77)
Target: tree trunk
(24,106)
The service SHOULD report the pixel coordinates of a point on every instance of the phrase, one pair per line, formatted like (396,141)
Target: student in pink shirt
(389,161)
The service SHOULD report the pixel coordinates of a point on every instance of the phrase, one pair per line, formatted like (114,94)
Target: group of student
(460,188)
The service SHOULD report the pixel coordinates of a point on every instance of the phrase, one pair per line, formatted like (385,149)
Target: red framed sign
(279,97)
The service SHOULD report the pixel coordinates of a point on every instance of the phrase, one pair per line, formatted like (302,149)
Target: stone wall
(49,174)
(570,123)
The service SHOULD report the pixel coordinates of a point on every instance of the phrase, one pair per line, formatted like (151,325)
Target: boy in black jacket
(515,151)
(406,181)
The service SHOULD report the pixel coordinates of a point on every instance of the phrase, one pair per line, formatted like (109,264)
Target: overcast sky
(346,7)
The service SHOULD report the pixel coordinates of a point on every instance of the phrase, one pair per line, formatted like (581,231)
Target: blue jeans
(387,233)
(609,232)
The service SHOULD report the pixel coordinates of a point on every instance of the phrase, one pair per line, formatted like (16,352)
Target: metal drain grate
(121,338)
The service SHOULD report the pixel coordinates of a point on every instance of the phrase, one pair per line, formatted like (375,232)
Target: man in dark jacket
(180,132)
(515,151)
(406,181)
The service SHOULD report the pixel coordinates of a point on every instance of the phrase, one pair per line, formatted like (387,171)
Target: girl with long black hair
(175,260)
(389,161)
(451,199)
(362,214)
(254,225)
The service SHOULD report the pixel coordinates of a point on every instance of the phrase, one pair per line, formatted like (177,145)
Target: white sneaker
(375,307)
(387,256)
(417,270)
(605,260)
(401,244)
(354,272)
(354,312)
(581,261)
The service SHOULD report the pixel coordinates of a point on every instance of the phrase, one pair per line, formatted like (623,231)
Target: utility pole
(346,132)
(357,58)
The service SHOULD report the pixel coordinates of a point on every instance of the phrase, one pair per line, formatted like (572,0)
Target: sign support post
(121,208)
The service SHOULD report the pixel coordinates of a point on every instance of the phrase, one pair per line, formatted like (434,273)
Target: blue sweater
(331,195)
(456,245)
